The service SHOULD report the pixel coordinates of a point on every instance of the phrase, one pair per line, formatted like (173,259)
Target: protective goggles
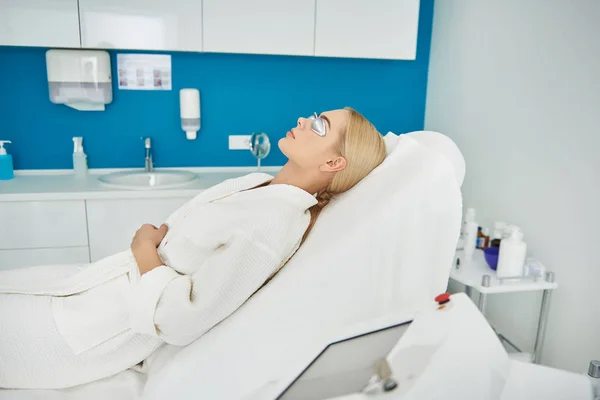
(317,125)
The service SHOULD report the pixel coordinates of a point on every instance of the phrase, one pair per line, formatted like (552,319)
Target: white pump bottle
(79,158)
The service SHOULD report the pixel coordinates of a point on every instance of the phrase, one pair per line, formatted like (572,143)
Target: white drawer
(30,257)
(42,224)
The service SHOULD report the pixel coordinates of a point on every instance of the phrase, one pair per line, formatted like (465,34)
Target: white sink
(142,180)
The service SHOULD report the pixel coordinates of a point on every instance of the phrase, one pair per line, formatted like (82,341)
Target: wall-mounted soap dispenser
(80,79)
(189,104)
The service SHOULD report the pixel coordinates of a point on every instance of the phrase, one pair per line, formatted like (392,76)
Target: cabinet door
(142,24)
(44,23)
(367,28)
(259,26)
(31,257)
(112,223)
(42,224)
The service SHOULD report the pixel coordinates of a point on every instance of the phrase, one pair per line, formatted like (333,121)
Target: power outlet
(239,142)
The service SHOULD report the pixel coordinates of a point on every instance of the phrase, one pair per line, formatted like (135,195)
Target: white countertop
(39,185)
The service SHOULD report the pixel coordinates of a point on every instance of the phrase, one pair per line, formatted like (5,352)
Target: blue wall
(239,94)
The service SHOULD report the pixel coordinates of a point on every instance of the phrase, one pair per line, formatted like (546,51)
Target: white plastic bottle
(511,259)
(79,158)
(470,228)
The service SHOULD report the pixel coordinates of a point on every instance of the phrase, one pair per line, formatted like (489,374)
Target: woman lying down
(61,326)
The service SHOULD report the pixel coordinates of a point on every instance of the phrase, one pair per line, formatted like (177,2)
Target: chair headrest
(437,142)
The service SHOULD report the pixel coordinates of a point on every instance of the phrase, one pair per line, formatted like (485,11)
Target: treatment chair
(384,247)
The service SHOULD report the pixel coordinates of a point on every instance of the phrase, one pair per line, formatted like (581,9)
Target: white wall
(516,83)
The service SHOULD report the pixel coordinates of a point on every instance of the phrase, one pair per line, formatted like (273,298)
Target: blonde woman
(63,327)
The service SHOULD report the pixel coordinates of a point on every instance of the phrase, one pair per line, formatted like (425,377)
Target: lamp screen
(344,367)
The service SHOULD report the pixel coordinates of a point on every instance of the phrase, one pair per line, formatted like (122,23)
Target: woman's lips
(291,134)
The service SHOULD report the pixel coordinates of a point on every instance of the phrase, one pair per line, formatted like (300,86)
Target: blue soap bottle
(6,163)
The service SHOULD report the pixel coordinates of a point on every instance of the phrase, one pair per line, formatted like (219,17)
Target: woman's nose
(302,122)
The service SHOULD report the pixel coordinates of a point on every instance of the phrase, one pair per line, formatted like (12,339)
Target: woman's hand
(144,246)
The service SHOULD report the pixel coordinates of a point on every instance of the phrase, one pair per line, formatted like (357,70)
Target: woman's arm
(181,308)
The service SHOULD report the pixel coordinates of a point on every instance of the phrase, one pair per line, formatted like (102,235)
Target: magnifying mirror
(260,146)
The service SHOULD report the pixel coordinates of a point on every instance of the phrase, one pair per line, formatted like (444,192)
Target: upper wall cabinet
(141,24)
(259,26)
(45,23)
(367,28)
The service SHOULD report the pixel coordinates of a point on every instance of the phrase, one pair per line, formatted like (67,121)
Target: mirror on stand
(260,146)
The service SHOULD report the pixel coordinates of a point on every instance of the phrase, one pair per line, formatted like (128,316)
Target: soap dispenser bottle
(79,158)
(6,163)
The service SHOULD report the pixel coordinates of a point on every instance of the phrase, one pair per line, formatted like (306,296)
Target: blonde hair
(363,148)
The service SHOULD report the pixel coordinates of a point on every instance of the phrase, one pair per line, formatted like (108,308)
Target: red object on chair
(442,298)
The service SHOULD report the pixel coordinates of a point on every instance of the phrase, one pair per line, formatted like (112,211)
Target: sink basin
(142,180)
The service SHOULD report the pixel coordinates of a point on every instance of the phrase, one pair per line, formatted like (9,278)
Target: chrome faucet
(149,166)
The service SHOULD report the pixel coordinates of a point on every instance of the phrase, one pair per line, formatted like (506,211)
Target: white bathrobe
(64,325)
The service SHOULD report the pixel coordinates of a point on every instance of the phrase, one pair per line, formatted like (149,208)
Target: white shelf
(471,272)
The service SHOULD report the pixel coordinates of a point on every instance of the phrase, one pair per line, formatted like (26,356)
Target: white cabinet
(112,223)
(42,232)
(384,29)
(42,224)
(259,26)
(31,257)
(141,24)
(45,23)
(367,28)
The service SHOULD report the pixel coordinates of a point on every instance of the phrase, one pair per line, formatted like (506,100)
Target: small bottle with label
(6,164)
(483,238)
(496,237)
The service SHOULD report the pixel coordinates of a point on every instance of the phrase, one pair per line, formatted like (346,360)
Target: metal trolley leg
(485,282)
(542,322)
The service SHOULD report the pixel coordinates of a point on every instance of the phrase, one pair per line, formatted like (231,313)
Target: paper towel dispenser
(80,79)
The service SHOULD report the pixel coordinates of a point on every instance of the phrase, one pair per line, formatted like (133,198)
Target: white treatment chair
(384,246)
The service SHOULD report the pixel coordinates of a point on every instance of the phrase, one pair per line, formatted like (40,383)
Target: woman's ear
(334,165)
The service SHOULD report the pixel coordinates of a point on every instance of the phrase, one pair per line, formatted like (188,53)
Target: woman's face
(313,142)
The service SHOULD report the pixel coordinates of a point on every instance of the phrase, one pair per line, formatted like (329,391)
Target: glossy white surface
(40,224)
(112,223)
(259,26)
(141,180)
(45,23)
(471,273)
(63,185)
(367,28)
(142,24)
(31,257)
